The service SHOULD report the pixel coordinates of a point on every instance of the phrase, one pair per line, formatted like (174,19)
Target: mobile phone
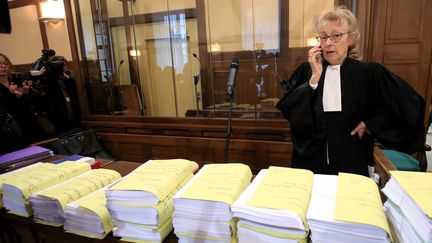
(17,79)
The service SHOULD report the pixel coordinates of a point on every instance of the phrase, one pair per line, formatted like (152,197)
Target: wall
(24,44)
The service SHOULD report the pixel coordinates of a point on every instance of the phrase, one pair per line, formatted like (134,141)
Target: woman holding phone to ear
(337,105)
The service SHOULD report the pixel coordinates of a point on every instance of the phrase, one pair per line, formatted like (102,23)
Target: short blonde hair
(8,61)
(342,14)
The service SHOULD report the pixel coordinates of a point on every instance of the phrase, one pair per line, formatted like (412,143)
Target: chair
(406,162)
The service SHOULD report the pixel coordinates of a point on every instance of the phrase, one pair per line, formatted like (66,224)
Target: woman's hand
(359,130)
(315,61)
(20,91)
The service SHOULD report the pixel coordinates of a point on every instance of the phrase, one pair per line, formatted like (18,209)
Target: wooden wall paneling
(404,44)
(203,140)
(256,154)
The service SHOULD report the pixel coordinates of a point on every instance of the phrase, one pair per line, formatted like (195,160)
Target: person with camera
(54,95)
(18,124)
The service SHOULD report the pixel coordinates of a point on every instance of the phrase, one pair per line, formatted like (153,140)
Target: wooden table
(19,229)
(16,229)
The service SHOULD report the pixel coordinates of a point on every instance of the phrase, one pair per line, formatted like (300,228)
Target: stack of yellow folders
(48,204)
(141,202)
(88,216)
(17,189)
(203,206)
(5,176)
(346,208)
(409,205)
(273,208)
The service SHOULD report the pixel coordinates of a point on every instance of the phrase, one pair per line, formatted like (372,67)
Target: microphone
(232,78)
(197,76)
(118,69)
(195,55)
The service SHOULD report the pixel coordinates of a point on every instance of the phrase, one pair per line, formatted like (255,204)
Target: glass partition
(171,57)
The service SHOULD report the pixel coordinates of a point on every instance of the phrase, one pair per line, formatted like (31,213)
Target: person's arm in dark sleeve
(398,122)
(298,93)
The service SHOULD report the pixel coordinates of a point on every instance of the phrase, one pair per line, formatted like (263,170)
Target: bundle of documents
(48,204)
(409,206)
(23,157)
(273,207)
(5,176)
(88,216)
(141,202)
(18,187)
(203,206)
(346,208)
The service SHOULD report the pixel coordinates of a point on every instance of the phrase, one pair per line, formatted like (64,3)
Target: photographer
(55,96)
(18,124)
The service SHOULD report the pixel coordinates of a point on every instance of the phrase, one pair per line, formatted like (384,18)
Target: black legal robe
(392,111)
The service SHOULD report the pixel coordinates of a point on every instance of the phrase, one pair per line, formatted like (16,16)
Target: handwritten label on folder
(358,201)
(418,185)
(220,182)
(157,177)
(285,189)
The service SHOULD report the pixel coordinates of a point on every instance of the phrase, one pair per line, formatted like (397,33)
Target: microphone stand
(197,95)
(229,129)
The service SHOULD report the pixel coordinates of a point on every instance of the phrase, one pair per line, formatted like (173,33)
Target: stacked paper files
(409,205)
(203,206)
(23,157)
(17,188)
(141,202)
(48,205)
(151,233)
(5,176)
(273,207)
(88,216)
(346,208)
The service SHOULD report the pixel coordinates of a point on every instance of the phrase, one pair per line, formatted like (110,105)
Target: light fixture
(311,41)
(52,11)
(215,47)
(134,53)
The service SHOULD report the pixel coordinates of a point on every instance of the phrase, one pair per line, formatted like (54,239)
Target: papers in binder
(4,177)
(48,205)
(141,203)
(18,188)
(88,216)
(203,206)
(409,204)
(273,207)
(335,205)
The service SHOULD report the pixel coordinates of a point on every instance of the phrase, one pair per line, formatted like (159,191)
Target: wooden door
(402,41)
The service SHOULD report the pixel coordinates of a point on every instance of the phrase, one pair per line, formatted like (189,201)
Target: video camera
(54,71)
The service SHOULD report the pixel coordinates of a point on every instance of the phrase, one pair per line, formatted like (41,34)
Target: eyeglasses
(336,37)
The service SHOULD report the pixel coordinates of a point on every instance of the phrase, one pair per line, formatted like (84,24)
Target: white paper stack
(48,204)
(141,202)
(266,222)
(203,206)
(17,189)
(4,177)
(409,206)
(88,216)
(360,205)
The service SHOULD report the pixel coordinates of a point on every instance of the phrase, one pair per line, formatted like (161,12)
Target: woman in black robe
(337,105)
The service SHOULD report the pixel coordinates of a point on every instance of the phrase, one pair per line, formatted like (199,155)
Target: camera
(44,59)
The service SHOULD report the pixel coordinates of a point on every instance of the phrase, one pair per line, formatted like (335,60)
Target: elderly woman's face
(4,66)
(335,48)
